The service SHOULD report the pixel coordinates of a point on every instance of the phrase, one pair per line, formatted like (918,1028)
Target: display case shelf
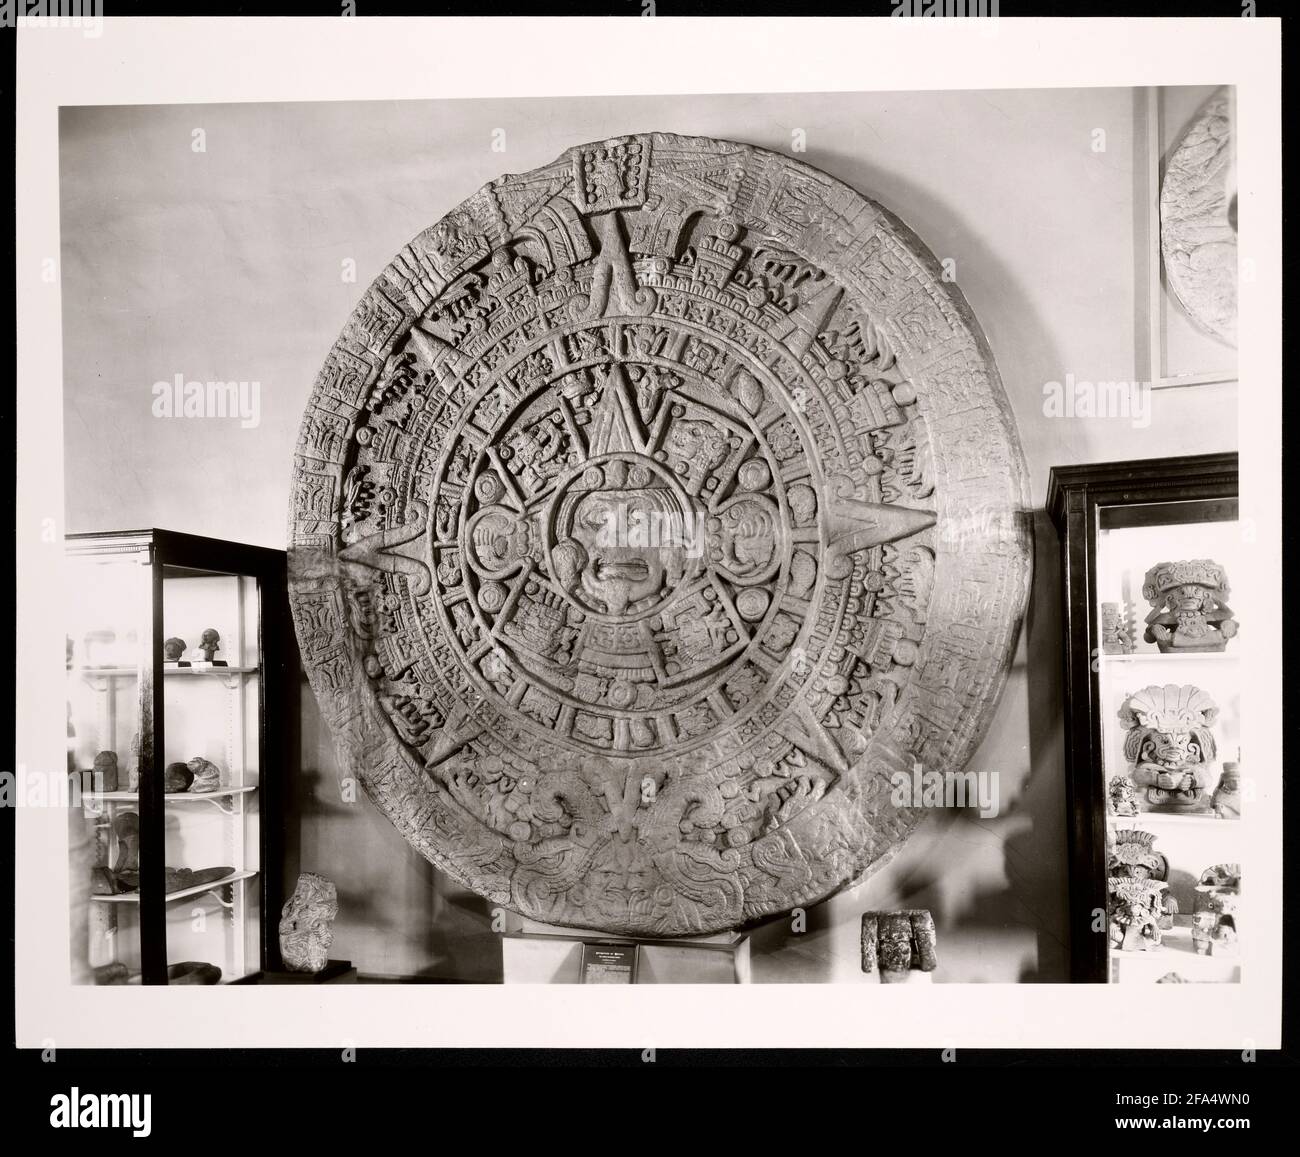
(132,672)
(170,796)
(181,893)
(1172,660)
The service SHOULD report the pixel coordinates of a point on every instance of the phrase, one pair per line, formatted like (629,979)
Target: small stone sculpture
(114,973)
(127,830)
(306,926)
(105,771)
(177,777)
(210,644)
(1122,800)
(1188,611)
(207,776)
(1169,744)
(1226,800)
(1214,919)
(1115,637)
(174,651)
(133,769)
(1133,857)
(898,943)
(1135,913)
(193,972)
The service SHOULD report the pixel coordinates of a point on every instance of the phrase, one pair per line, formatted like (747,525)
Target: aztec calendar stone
(654,509)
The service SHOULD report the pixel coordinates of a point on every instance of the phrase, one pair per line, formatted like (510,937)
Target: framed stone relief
(653,509)
(1187,276)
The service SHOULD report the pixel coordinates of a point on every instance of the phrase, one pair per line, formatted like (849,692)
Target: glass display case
(178,668)
(1159,832)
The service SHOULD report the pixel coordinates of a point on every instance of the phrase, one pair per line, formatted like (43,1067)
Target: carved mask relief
(653,510)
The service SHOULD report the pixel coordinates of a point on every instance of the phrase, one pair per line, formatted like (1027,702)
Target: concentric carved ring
(652,511)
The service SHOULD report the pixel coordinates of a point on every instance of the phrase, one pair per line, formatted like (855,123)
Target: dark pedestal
(334,972)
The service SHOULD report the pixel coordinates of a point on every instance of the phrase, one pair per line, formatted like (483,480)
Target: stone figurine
(1214,918)
(1188,609)
(1120,796)
(207,776)
(174,651)
(1115,636)
(1226,800)
(104,771)
(306,926)
(210,644)
(704,417)
(1136,913)
(1132,856)
(1170,745)
(897,943)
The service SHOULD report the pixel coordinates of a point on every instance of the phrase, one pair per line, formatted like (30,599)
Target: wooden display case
(167,873)
(1124,686)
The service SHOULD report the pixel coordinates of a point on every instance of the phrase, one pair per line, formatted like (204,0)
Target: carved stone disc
(652,511)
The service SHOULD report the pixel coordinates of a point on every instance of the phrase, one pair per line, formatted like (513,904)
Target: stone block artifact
(897,943)
(105,771)
(307,924)
(652,510)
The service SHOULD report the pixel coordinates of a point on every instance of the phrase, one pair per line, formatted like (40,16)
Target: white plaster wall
(226,265)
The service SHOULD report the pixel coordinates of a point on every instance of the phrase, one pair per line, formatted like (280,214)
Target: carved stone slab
(653,508)
(1198,220)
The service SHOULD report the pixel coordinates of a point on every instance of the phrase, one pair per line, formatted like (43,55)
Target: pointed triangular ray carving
(616,426)
(802,728)
(379,552)
(858,525)
(800,330)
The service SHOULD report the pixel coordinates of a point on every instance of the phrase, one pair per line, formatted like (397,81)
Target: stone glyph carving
(1198,220)
(653,509)
(307,924)
(1170,745)
(1189,609)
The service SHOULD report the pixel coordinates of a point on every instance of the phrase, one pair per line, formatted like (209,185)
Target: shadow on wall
(996,887)
(398,916)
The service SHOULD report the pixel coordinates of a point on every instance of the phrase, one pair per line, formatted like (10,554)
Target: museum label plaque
(653,509)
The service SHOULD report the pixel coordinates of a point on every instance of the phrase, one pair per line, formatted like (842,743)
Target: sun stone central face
(624,538)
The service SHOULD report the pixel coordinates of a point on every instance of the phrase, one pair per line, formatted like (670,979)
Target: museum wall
(231,261)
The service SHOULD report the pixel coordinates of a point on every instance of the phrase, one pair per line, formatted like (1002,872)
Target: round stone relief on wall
(1198,220)
(654,510)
